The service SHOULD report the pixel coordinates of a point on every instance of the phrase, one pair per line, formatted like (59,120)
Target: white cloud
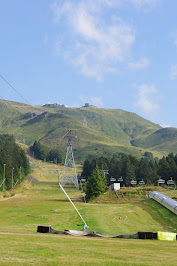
(97,101)
(94,38)
(142,63)
(147,95)
(173,72)
(93,45)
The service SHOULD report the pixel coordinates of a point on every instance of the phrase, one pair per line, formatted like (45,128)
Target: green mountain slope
(99,131)
(163,140)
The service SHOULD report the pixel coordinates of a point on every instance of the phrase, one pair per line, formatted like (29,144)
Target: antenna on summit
(69,162)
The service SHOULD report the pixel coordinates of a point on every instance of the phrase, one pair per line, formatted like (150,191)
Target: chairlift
(83,180)
(161,181)
(141,183)
(120,179)
(133,182)
(170,182)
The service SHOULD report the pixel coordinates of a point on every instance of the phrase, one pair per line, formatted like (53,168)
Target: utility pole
(4,175)
(12,178)
(41,171)
(20,175)
(59,175)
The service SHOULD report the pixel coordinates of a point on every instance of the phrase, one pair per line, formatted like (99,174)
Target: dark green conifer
(95,185)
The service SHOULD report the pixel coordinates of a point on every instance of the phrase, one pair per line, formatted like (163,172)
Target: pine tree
(113,167)
(129,172)
(13,157)
(86,172)
(95,185)
(164,168)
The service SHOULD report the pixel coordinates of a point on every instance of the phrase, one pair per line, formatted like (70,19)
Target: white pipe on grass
(85,225)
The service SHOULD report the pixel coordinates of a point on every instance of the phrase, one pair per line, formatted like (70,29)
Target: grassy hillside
(164,140)
(99,131)
(43,203)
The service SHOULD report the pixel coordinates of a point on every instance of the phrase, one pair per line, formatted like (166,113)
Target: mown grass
(60,250)
(44,204)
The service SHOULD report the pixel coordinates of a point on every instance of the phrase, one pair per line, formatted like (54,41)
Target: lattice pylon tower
(69,163)
(85,123)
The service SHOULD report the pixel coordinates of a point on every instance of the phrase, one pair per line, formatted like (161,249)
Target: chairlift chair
(133,182)
(170,182)
(141,183)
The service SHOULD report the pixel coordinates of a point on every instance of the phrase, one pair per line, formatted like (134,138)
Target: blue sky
(111,53)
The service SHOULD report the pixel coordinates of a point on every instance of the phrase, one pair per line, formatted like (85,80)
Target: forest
(42,152)
(148,168)
(13,162)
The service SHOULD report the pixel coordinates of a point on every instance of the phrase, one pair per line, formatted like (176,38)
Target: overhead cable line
(14,89)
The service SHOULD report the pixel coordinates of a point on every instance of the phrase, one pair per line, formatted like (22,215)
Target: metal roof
(164,198)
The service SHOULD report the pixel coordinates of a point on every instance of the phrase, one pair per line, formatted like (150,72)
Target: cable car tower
(69,162)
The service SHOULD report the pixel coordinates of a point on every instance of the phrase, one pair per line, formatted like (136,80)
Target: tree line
(13,161)
(42,152)
(148,168)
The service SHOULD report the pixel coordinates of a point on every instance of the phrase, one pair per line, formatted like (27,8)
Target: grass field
(68,250)
(44,204)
